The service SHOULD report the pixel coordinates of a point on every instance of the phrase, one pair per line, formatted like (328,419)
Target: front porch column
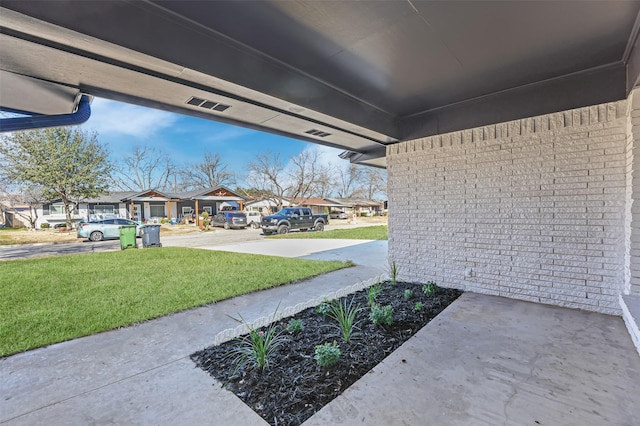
(197,214)
(630,299)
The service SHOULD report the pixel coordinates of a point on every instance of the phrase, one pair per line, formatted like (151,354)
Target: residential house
(149,206)
(358,205)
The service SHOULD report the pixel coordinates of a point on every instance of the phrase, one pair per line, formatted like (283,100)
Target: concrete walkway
(484,360)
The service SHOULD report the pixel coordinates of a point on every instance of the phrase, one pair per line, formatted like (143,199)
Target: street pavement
(219,237)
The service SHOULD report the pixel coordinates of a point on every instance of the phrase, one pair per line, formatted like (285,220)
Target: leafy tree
(64,163)
(145,168)
(209,173)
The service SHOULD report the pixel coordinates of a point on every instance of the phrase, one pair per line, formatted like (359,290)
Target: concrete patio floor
(489,360)
(484,360)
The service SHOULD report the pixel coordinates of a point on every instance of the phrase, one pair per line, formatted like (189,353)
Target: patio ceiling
(353,75)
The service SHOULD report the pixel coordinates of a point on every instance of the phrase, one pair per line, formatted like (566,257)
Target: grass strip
(378,232)
(50,300)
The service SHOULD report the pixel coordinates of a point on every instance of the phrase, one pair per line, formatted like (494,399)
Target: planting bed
(294,387)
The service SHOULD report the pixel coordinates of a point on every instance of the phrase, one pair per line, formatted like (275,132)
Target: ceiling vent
(318,133)
(206,104)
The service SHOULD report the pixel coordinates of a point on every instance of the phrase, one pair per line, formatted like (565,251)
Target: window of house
(207,209)
(56,209)
(156,211)
(103,209)
(187,211)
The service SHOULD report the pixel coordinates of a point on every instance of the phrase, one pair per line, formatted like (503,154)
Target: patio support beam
(197,214)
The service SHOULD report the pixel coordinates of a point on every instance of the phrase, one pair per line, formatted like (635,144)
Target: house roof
(312,201)
(353,202)
(219,193)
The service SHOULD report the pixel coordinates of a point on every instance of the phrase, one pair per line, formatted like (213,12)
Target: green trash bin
(127,237)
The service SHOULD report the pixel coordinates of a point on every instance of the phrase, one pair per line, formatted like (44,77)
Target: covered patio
(485,360)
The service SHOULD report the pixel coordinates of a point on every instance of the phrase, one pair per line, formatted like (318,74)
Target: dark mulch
(294,387)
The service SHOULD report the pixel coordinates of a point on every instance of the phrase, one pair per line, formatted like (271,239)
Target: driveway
(194,239)
(209,240)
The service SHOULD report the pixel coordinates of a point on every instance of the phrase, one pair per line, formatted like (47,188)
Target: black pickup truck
(293,218)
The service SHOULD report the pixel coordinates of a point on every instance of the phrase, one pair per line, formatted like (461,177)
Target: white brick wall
(532,209)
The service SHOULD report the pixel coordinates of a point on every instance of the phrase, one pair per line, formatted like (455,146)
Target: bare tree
(307,175)
(209,173)
(349,180)
(145,168)
(374,182)
(325,184)
(28,196)
(267,176)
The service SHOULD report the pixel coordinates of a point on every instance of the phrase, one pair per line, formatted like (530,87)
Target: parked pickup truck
(293,218)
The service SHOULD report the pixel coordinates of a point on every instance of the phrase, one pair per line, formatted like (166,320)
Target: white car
(106,229)
(253,219)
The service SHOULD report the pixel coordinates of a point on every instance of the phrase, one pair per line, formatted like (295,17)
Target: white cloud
(109,117)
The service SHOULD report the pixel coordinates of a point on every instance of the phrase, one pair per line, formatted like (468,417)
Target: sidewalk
(485,360)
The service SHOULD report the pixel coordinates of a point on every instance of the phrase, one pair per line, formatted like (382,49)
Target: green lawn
(378,232)
(49,300)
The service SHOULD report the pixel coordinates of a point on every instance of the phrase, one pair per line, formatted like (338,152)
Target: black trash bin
(151,236)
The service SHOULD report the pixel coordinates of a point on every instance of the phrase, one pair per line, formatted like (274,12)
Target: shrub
(294,326)
(327,354)
(45,226)
(430,288)
(323,308)
(419,307)
(345,316)
(408,294)
(206,223)
(364,214)
(381,315)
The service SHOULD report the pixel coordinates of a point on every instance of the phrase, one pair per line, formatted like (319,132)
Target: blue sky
(185,139)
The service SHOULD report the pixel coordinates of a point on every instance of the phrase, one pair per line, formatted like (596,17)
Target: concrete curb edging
(232,333)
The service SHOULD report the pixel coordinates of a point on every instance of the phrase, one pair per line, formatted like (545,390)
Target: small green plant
(419,307)
(294,326)
(45,226)
(257,347)
(327,354)
(393,272)
(408,294)
(430,288)
(373,292)
(381,315)
(323,308)
(345,316)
